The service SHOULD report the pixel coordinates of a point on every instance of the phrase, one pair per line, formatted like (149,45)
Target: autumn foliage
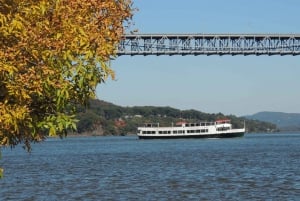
(52,56)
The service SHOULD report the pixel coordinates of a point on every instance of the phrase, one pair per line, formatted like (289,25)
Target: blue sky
(238,85)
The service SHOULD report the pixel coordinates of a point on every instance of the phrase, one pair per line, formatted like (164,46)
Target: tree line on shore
(103,118)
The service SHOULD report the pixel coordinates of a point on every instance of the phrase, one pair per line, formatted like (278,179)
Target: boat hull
(217,135)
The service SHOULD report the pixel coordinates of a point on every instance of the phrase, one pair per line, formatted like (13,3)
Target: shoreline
(129,135)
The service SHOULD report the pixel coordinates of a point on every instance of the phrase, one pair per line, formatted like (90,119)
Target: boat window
(223,129)
(175,132)
(148,132)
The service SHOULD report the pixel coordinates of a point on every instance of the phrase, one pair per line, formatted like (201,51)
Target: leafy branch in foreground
(52,56)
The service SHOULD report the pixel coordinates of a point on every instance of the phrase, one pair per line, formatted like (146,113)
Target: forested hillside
(284,121)
(103,118)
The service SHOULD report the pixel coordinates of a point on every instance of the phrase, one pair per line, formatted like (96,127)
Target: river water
(255,167)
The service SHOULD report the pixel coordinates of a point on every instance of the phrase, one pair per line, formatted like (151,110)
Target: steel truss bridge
(210,44)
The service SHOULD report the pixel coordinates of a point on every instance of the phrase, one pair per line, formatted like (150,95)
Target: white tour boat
(216,129)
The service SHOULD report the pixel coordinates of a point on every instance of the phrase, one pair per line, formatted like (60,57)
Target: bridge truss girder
(210,44)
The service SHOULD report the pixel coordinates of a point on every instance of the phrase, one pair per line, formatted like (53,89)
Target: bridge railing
(210,44)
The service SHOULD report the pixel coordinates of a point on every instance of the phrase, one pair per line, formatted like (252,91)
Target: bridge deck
(210,44)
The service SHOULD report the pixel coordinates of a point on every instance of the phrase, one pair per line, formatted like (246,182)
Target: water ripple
(257,167)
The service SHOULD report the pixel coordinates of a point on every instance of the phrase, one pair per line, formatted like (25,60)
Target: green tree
(53,53)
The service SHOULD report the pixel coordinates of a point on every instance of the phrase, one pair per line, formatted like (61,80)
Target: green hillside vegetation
(284,121)
(103,118)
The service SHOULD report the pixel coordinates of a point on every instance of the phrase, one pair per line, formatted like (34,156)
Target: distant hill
(284,121)
(103,118)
